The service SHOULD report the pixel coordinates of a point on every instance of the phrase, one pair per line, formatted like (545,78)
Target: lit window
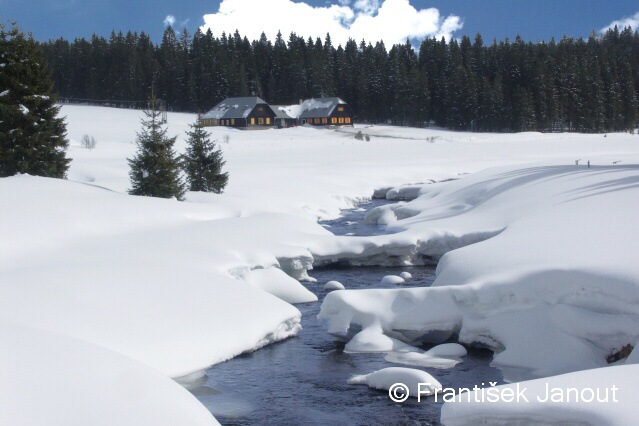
(260,121)
(347,120)
(333,120)
(268,120)
(215,122)
(232,122)
(317,121)
(341,120)
(252,121)
(340,109)
(324,120)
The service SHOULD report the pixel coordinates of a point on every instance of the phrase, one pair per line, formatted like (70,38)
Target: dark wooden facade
(242,113)
(326,112)
(262,116)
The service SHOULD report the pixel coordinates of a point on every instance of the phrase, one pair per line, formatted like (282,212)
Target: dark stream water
(302,380)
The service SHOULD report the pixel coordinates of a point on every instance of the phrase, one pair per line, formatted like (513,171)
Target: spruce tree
(32,137)
(155,169)
(203,162)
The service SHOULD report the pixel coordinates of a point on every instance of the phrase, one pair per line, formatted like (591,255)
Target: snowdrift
(50,379)
(551,283)
(604,396)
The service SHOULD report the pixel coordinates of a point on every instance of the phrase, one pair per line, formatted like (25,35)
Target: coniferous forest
(585,85)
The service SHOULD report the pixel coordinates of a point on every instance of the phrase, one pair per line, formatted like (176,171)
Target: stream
(302,380)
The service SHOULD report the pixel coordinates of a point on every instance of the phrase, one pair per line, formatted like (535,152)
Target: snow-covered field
(136,289)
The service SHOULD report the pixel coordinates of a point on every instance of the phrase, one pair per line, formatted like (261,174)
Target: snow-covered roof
(283,111)
(317,107)
(234,108)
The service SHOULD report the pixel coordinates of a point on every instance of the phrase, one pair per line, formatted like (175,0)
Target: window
(324,120)
(340,109)
(341,120)
(347,120)
(303,121)
(268,120)
(333,120)
(260,121)
(317,121)
(253,121)
(232,122)
(215,123)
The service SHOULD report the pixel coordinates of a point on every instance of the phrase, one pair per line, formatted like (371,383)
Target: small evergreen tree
(32,137)
(155,169)
(203,162)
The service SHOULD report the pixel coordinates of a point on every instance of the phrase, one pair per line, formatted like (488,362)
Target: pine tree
(155,168)
(32,137)
(203,162)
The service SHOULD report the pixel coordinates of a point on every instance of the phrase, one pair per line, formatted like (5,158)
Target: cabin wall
(342,116)
(228,122)
(261,116)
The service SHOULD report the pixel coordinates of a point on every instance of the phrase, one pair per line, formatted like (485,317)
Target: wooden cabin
(325,112)
(243,113)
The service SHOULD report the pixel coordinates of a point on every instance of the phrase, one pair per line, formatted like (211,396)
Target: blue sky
(532,19)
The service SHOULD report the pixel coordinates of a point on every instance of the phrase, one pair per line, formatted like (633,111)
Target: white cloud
(392,21)
(169,20)
(631,21)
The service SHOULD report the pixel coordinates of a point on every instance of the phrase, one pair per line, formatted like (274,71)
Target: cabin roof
(282,111)
(317,107)
(234,108)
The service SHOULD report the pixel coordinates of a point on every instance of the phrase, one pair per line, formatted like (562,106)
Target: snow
(448,350)
(633,358)
(416,381)
(392,280)
(174,287)
(51,379)
(295,111)
(24,109)
(444,356)
(572,395)
(406,276)
(533,267)
(279,284)
(334,285)
(372,339)
(4,93)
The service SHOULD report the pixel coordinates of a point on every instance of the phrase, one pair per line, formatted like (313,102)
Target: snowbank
(148,278)
(55,380)
(604,396)
(277,283)
(538,265)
